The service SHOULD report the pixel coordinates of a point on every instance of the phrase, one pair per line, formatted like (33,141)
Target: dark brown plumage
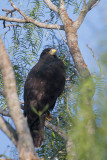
(45,82)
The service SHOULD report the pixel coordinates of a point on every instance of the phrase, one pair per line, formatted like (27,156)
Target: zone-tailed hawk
(45,82)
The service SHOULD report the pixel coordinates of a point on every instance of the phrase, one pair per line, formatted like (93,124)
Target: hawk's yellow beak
(52,51)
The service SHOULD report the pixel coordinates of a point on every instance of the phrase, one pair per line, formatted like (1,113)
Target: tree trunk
(72,40)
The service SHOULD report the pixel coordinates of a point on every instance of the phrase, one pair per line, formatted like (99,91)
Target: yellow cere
(52,51)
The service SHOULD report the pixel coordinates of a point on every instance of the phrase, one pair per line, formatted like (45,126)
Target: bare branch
(16,8)
(92,3)
(62,37)
(28,19)
(11,19)
(86,8)
(26,148)
(10,86)
(8,11)
(8,130)
(33,21)
(51,5)
(56,129)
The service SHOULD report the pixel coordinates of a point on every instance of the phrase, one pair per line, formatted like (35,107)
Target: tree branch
(25,143)
(9,86)
(51,5)
(92,3)
(56,129)
(8,130)
(9,11)
(13,25)
(86,8)
(28,19)
(33,21)
(16,8)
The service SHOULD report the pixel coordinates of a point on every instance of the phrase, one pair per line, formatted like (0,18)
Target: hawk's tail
(37,131)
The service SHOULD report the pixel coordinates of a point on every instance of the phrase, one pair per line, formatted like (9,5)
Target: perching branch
(56,129)
(49,125)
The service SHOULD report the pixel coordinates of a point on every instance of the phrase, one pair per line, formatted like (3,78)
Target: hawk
(44,84)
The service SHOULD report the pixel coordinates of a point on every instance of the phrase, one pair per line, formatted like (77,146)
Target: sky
(89,33)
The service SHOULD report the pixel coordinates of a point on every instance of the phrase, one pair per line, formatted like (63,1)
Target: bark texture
(24,142)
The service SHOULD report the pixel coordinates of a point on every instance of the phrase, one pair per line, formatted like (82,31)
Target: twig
(9,11)
(13,25)
(16,8)
(96,60)
(62,36)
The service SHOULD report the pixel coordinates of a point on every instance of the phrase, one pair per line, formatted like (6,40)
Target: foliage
(88,131)
(81,110)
